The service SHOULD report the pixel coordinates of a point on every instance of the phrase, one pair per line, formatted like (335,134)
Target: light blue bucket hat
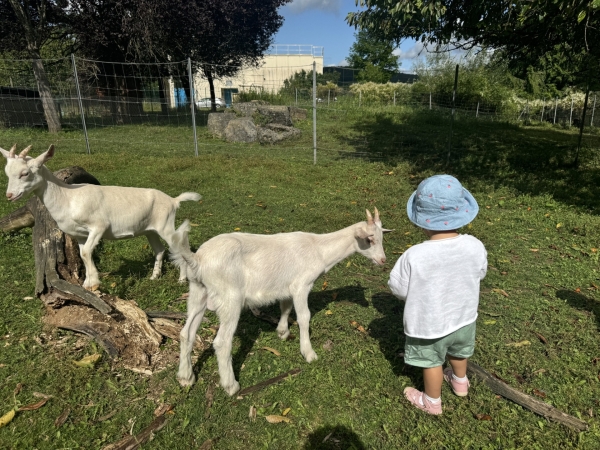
(441,203)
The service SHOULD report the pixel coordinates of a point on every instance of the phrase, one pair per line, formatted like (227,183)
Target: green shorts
(429,353)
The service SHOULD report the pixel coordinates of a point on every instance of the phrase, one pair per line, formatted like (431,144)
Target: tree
(25,26)
(560,33)
(373,57)
(221,36)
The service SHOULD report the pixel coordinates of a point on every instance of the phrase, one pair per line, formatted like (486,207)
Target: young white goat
(89,212)
(231,271)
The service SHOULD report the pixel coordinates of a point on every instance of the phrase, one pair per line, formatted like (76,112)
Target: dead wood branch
(269,382)
(537,406)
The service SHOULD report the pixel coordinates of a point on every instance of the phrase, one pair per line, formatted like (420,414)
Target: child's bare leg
(433,378)
(459,366)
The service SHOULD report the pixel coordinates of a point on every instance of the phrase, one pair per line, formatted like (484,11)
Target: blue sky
(322,23)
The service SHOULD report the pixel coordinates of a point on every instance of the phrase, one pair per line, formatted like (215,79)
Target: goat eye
(24,174)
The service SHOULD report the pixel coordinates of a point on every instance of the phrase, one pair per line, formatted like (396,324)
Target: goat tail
(187,197)
(180,253)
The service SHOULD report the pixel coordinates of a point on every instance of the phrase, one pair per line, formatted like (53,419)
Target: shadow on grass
(388,330)
(582,302)
(250,327)
(530,160)
(334,437)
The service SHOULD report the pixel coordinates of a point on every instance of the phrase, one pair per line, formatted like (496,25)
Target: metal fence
(94,94)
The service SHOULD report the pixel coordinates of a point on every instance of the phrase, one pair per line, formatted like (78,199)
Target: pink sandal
(460,388)
(416,397)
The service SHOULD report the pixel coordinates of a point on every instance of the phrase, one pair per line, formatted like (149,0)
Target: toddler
(439,281)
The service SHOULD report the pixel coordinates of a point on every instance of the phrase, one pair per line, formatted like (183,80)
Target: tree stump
(119,326)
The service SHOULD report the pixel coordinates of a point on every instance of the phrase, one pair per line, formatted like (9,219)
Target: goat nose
(382,260)
(9,195)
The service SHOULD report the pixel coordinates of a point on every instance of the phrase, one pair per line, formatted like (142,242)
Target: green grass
(538,220)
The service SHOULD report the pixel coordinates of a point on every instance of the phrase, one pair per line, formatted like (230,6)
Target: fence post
(359,98)
(542,116)
(328,96)
(430,100)
(85,133)
(452,120)
(296,96)
(193,105)
(582,124)
(477,111)
(571,114)
(394,98)
(555,109)
(314,112)
(593,109)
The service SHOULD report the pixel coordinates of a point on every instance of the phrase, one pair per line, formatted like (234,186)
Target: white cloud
(414,52)
(299,6)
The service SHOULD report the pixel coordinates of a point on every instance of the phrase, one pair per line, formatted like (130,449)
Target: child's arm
(399,277)
(484,266)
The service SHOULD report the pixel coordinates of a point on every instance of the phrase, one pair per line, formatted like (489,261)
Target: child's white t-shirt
(439,279)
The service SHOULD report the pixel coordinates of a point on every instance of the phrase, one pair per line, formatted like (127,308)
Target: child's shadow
(389,331)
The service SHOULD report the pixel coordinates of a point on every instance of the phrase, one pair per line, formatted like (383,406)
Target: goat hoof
(186,381)
(311,356)
(92,288)
(232,389)
(283,335)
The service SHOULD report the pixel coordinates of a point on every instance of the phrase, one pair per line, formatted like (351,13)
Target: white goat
(89,212)
(231,271)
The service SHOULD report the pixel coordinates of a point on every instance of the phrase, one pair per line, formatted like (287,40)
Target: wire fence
(88,95)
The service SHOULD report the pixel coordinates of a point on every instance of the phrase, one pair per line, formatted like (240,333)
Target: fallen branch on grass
(134,442)
(269,382)
(537,406)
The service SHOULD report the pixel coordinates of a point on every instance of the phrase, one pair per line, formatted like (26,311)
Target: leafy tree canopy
(559,35)
(373,57)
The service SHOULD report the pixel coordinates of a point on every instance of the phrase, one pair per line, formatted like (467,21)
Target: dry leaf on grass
(272,350)
(6,418)
(358,326)
(500,291)
(88,361)
(34,406)
(286,411)
(162,409)
(328,345)
(325,284)
(538,393)
(60,420)
(207,445)
(252,413)
(483,416)
(277,419)
(18,388)
(518,344)
(540,337)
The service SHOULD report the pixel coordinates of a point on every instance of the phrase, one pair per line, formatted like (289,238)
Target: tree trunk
(211,85)
(163,92)
(50,109)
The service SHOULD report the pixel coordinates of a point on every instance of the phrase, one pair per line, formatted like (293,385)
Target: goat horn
(377,220)
(369,218)
(23,154)
(12,151)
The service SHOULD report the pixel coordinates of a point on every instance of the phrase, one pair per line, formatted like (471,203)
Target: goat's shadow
(389,331)
(250,327)
(581,301)
(333,437)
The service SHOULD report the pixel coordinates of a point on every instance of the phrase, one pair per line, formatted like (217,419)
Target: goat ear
(41,160)
(386,231)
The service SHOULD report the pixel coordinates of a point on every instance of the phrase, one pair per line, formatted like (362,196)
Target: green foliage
(373,57)
(553,36)
(303,80)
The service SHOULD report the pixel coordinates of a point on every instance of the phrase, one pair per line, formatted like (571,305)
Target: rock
(217,122)
(264,114)
(272,133)
(298,113)
(240,130)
